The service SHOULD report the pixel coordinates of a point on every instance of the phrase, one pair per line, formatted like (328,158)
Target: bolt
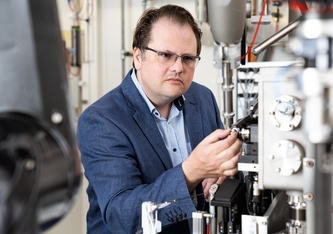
(291,126)
(278,125)
(277,170)
(56,118)
(271,156)
(308,164)
(277,100)
(308,196)
(272,112)
(298,113)
(29,164)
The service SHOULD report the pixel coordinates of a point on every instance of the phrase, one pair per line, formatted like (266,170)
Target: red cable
(69,68)
(207,228)
(298,6)
(255,35)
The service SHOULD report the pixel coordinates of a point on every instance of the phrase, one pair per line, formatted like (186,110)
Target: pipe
(227,89)
(275,37)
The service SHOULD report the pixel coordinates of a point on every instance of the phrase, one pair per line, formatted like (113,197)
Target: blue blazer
(126,161)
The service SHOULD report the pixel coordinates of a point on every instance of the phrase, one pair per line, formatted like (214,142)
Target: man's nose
(178,65)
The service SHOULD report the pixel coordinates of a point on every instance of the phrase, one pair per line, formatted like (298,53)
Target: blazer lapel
(193,120)
(145,120)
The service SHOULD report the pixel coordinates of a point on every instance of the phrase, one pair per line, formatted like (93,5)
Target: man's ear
(137,58)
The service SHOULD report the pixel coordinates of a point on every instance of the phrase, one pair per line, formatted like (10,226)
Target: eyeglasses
(169,59)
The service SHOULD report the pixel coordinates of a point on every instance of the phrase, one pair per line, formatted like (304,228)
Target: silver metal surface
(285,113)
(227,88)
(286,155)
(253,167)
(212,210)
(198,222)
(223,11)
(275,82)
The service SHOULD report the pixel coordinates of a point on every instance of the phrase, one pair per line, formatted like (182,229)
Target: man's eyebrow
(185,54)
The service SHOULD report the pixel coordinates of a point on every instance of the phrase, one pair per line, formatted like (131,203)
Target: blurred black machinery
(39,162)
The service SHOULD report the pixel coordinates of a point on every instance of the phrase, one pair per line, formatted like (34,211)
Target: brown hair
(178,14)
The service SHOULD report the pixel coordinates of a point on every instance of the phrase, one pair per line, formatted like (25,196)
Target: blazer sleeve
(116,180)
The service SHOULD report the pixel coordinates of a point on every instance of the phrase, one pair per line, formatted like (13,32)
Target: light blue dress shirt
(173,129)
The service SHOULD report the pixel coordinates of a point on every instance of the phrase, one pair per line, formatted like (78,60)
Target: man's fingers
(220,180)
(227,142)
(230,172)
(229,165)
(217,135)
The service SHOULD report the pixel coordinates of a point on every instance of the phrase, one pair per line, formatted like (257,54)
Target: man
(157,136)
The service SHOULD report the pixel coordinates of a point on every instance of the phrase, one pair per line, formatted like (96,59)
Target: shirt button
(174,149)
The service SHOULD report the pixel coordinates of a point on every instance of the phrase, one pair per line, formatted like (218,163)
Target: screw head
(278,125)
(308,196)
(271,156)
(277,170)
(308,164)
(56,118)
(29,164)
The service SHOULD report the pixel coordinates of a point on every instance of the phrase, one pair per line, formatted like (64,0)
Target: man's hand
(207,183)
(212,158)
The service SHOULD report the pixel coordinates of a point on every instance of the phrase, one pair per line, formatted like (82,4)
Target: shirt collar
(178,102)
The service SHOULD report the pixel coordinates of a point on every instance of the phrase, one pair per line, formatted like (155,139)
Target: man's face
(163,82)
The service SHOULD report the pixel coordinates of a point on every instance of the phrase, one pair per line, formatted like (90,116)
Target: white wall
(102,70)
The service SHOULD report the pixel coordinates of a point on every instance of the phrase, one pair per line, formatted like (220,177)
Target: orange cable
(255,35)
(69,68)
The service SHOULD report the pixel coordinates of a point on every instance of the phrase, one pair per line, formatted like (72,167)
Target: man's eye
(189,58)
(165,55)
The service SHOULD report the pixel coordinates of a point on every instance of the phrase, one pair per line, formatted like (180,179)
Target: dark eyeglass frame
(196,58)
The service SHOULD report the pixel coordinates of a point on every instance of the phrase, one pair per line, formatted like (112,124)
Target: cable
(207,228)
(91,11)
(298,6)
(69,68)
(81,6)
(255,34)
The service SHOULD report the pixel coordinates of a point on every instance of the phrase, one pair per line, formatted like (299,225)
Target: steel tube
(275,37)
(227,89)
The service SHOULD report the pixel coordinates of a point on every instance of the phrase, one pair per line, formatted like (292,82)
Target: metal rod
(227,89)
(275,37)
